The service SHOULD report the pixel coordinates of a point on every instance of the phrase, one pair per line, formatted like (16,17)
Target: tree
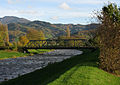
(34,34)
(23,40)
(7,35)
(68,32)
(108,38)
(1,41)
(42,36)
(4,34)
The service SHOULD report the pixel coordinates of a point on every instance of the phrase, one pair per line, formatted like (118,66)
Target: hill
(19,26)
(13,19)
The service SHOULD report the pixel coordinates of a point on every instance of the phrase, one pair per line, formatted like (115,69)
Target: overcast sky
(54,11)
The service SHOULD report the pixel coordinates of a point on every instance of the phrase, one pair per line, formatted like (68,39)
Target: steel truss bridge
(58,44)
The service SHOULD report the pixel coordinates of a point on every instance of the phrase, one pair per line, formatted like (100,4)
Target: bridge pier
(25,50)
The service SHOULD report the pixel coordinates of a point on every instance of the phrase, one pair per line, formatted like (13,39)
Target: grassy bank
(39,51)
(78,70)
(4,54)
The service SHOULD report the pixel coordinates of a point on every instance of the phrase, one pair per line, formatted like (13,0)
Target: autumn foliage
(33,34)
(23,40)
(4,36)
(108,38)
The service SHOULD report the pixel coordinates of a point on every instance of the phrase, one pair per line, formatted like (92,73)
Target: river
(14,67)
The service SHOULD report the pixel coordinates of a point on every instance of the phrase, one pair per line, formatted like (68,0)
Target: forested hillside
(19,26)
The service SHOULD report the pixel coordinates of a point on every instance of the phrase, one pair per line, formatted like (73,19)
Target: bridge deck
(59,47)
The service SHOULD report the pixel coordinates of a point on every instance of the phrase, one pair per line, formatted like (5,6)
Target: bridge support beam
(25,50)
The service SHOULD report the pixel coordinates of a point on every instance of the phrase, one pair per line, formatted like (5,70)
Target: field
(78,70)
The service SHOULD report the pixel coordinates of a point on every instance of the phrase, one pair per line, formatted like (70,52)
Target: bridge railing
(62,43)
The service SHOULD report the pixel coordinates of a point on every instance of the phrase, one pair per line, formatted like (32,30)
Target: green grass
(5,54)
(11,54)
(86,75)
(78,70)
(39,51)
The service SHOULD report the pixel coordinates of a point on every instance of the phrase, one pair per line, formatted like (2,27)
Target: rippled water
(12,68)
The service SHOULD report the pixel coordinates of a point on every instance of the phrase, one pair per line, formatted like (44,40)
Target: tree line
(32,34)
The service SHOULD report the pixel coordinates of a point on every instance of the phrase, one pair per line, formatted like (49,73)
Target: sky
(54,11)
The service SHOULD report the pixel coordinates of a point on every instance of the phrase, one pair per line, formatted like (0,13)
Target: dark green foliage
(113,12)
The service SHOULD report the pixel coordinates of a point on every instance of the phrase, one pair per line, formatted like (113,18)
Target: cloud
(54,18)
(65,6)
(10,12)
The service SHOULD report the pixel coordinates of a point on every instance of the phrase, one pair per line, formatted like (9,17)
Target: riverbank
(15,67)
(5,54)
(78,70)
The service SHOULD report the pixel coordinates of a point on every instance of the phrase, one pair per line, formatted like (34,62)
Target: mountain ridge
(16,24)
(13,19)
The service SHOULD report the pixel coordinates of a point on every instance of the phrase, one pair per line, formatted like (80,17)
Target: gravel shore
(14,67)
